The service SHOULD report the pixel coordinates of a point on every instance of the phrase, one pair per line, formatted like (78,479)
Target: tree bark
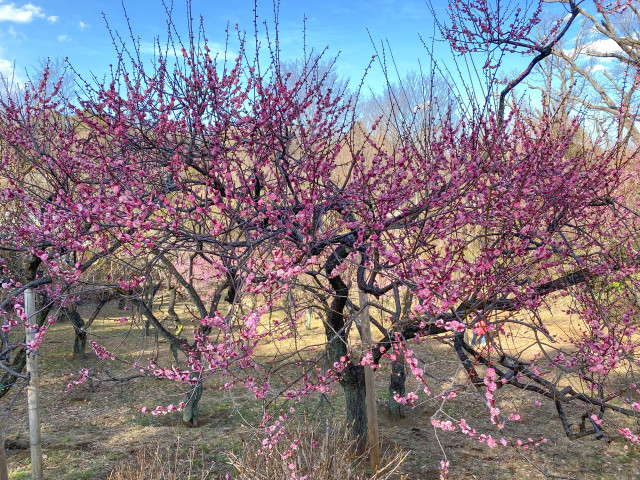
(352,379)
(190,412)
(8,380)
(396,386)
(80,340)
(353,385)
(149,300)
(80,344)
(171,308)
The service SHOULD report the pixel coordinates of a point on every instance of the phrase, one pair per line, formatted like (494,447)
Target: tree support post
(370,387)
(4,470)
(35,434)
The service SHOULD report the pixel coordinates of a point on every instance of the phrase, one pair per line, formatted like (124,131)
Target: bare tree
(595,73)
(413,105)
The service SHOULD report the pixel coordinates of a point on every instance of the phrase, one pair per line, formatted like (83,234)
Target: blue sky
(38,29)
(33,30)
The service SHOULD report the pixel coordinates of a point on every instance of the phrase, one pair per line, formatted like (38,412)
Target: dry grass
(162,463)
(319,452)
(326,453)
(92,430)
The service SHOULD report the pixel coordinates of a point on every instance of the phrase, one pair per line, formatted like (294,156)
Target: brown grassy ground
(90,429)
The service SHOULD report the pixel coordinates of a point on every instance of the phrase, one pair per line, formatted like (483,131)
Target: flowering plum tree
(248,188)
(49,207)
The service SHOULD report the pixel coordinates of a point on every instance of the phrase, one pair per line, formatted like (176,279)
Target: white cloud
(6,68)
(9,12)
(596,47)
(606,45)
(598,67)
(8,73)
(64,38)
(82,25)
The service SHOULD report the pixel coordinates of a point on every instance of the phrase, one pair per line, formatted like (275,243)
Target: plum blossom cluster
(173,373)
(629,435)
(101,352)
(444,469)
(40,334)
(83,375)
(450,426)
(489,381)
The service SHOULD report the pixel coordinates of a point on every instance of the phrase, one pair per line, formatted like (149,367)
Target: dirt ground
(90,429)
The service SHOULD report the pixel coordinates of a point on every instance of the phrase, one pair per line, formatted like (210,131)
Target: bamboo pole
(35,435)
(4,471)
(373,437)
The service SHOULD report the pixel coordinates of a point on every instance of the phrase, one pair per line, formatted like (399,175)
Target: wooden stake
(4,471)
(373,438)
(35,434)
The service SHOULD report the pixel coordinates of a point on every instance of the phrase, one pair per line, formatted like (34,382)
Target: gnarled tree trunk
(352,380)
(190,412)
(80,327)
(80,340)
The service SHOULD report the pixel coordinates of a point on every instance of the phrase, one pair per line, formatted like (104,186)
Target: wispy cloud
(9,12)
(82,25)
(16,34)
(150,48)
(64,38)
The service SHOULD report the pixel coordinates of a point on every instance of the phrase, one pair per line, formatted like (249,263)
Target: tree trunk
(352,380)
(396,386)
(8,380)
(80,344)
(80,341)
(149,299)
(172,304)
(190,411)
(353,385)
(147,328)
